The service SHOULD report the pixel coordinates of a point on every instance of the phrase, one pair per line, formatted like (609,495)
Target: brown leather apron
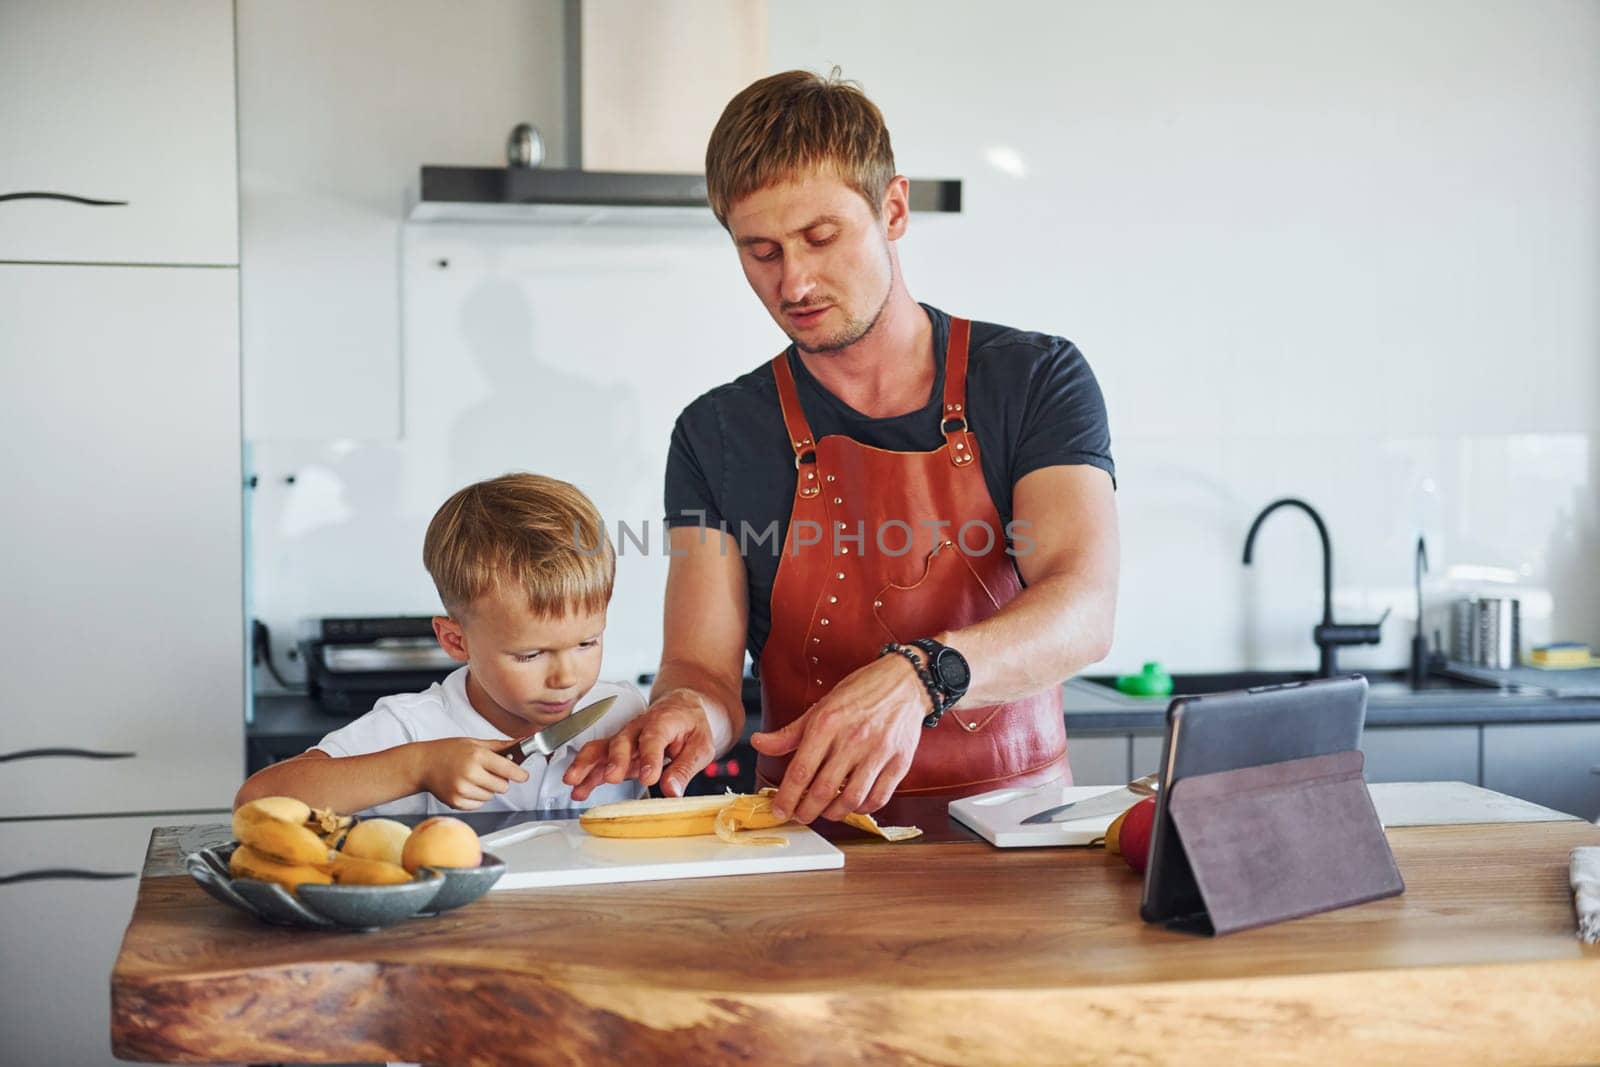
(891,546)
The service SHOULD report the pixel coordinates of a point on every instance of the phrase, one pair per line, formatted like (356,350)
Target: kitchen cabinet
(123,570)
(1098,760)
(1548,763)
(132,103)
(1421,754)
(62,932)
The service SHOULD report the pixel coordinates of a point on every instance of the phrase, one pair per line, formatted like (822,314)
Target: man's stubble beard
(853,330)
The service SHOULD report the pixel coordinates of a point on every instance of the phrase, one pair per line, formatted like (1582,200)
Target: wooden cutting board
(563,853)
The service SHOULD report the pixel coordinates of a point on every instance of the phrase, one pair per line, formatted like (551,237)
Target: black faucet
(1419,644)
(1328,634)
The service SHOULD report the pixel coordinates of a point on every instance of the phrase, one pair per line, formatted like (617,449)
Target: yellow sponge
(1563,654)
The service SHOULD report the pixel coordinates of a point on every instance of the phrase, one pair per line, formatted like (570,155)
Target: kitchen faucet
(1328,634)
(1419,644)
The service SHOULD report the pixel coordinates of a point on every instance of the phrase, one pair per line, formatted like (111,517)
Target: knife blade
(1112,803)
(552,737)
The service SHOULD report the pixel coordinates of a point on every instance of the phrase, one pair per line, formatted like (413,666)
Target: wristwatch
(949,669)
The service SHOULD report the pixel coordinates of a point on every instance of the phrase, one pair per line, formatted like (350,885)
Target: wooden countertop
(945,952)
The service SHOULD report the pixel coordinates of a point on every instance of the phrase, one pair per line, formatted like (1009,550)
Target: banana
(276,827)
(278,809)
(354,870)
(246,862)
(656,817)
(726,816)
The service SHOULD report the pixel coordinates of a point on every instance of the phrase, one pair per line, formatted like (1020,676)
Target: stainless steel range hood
(632,114)
(516,194)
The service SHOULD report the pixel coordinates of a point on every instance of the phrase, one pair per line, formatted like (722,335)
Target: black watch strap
(935,651)
(931,719)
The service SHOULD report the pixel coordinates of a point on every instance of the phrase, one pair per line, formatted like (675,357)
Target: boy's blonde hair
(789,124)
(521,533)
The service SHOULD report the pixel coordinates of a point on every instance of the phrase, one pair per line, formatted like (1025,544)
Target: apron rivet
(830,478)
(960,446)
(824,622)
(958,407)
(811,474)
(844,552)
(877,603)
(838,500)
(833,600)
(813,659)
(816,640)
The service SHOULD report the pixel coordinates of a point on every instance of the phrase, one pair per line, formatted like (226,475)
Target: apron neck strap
(794,420)
(953,417)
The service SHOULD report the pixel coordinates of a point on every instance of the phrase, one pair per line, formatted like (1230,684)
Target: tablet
(1226,731)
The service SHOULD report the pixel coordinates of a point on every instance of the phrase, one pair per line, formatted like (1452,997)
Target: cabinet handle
(47,874)
(64,196)
(80,753)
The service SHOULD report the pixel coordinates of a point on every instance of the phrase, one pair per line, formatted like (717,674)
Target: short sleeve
(1064,420)
(375,731)
(694,464)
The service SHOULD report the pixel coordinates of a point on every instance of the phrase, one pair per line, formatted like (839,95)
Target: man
(941,491)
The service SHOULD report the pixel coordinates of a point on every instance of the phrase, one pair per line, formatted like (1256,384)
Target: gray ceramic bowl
(367,907)
(463,885)
(325,907)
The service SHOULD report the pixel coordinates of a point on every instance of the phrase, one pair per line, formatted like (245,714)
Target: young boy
(525,569)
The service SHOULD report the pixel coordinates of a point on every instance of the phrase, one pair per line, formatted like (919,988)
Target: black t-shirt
(1032,402)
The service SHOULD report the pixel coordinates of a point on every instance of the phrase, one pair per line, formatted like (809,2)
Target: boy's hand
(674,728)
(463,772)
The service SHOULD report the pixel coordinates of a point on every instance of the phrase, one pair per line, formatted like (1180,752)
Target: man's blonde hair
(786,125)
(522,534)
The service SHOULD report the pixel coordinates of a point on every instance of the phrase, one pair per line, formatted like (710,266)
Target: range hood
(522,194)
(634,118)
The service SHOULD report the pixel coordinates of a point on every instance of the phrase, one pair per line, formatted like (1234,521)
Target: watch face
(954,674)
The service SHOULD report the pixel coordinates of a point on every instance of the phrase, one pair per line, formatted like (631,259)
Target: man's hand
(464,772)
(852,747)
(674,735)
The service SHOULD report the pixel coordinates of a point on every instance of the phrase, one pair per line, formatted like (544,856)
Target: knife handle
(514,751)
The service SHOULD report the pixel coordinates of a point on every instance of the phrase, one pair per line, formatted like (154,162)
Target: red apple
(1135,836)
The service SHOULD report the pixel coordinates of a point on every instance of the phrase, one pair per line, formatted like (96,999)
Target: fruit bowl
(342,907)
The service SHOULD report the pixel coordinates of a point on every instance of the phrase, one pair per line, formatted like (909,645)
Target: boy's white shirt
(444,710)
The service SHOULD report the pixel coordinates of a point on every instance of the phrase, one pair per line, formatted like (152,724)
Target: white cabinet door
(113,101)
(122,566)
(62,931)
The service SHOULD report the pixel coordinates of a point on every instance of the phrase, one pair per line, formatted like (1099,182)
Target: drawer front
(119,132)
(67,888)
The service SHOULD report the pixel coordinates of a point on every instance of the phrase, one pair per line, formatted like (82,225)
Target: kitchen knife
(552,737)
(1112,803)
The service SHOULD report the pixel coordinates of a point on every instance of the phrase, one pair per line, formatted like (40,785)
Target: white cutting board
(564,853)
(997,816)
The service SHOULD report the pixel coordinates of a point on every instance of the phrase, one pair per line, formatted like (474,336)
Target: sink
(1393,682)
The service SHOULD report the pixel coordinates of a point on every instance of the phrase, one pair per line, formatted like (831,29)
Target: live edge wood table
(944,952)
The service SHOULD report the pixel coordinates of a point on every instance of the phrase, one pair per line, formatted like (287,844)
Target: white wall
(339,106)
(1348,251)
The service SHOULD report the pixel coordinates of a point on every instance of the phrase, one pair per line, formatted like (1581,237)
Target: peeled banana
(728,816)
